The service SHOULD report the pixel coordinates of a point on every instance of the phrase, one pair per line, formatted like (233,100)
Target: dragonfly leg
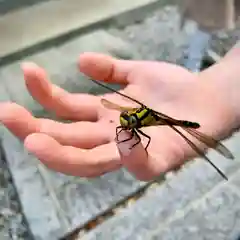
(145,135)
(117,131)
(134,132)
(127,139)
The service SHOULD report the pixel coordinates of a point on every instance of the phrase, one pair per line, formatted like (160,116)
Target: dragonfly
(133,119)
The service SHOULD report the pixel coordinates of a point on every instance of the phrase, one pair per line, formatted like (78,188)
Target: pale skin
(86,147)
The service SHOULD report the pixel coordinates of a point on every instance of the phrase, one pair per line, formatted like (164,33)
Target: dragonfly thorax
(128,120)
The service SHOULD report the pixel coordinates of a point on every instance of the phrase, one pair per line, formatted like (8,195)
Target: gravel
(12,222)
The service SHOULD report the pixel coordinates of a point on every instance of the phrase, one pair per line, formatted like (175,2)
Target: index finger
(103,67)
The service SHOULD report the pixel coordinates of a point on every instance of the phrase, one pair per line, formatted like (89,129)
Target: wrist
(223,81)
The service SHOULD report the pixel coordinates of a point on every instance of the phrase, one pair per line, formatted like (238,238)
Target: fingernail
(28,65)
(125,147)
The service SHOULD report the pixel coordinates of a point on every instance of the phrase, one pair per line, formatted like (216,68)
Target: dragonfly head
(128,120)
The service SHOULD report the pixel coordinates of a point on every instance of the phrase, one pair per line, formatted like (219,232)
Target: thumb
(136,159)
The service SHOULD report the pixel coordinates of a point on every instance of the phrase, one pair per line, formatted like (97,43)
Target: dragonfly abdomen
(189,124)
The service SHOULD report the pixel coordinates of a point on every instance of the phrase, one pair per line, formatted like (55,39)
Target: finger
(21,123)
(18,120)
(103,67)
(143,165)
(71,160)
(77,134)
(53,98)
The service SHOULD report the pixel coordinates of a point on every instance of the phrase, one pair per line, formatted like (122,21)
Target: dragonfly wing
(166,117)
(158,123)
(163,118)
(198,151)
(110,105)
(210,142)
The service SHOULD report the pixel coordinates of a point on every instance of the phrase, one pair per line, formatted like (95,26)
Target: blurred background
(36,203)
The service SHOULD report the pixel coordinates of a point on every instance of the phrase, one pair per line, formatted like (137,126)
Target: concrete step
(29,26)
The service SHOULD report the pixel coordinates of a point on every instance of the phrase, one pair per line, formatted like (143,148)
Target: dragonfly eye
(132,120)
(128,120)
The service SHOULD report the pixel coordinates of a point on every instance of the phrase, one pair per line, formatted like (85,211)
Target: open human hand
(86,146)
